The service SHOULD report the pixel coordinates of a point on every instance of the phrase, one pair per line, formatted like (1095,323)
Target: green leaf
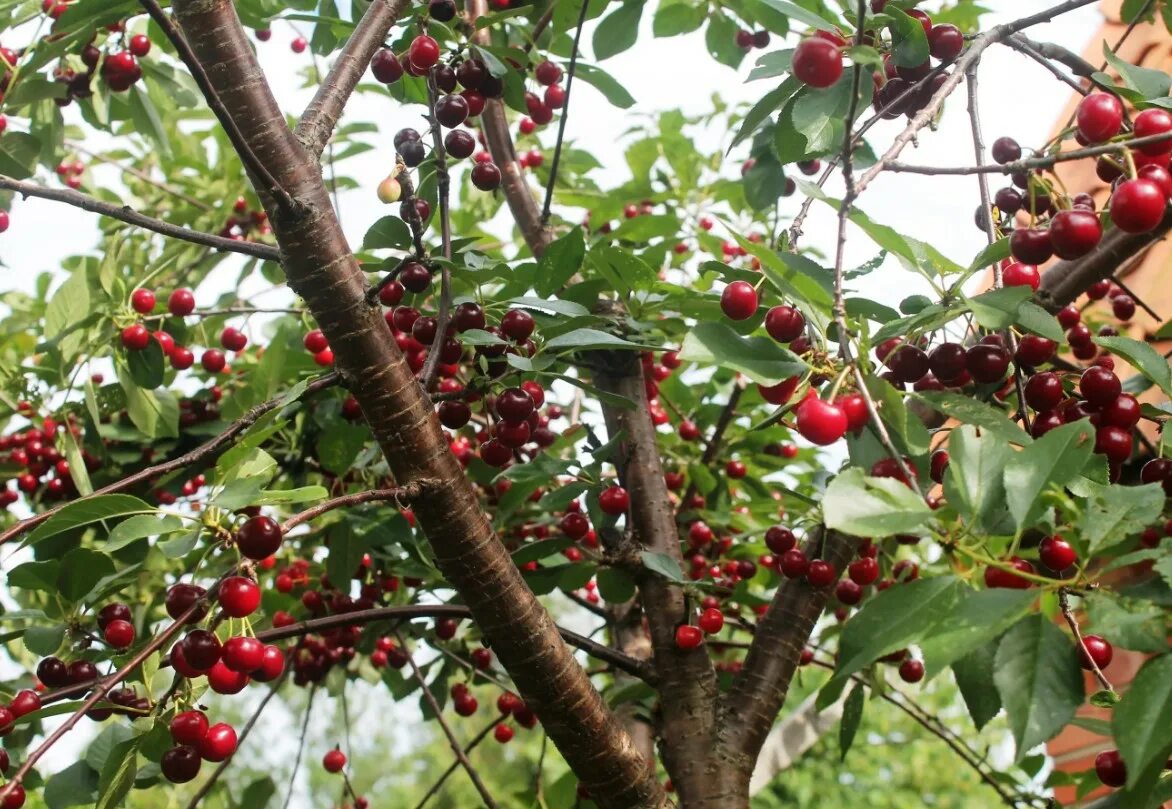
(1055,459)
(1142,721)
(81,569)
(146,119)
(338,446)
(720,38)
(793,275)
(146,366)
(84,512)
(759,358)
(973,481)
(560,261)
(118,775)
(535,551)
(258,794)
(893,619)
(154,413)
(909,38)
(615,585)
(606,84)
(18,155)
(968,410)
(766,106)
(764,183)
(796,12)
(662,564)
(974,677)
(346,550)
(139,527)
(818,115)
(673,19)
(991,254)
(976,619)
(997,308)
(44,640)
(772,65)
(76,785)
(852,714)
(580,339)
(1143,357)
(624,270)
(1113,513)
(617,31)
(1037,674)
(906,426)
(1037,320)
(68,307)
(389,232)
(877,507)
(1150,84)
(1130,623)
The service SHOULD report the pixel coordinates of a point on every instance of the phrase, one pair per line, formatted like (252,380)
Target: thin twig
(1138,300)
(468,748)
(1020,44)
(140,174)
(184,461)
(125,214)
(411,490)
(539,27)
(403,175)
(207,785)
(473,776)
(252,163)
(300,745)
(1064,607)
(443,316)
(557,148)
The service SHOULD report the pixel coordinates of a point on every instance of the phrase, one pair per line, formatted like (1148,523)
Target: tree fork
(320,267)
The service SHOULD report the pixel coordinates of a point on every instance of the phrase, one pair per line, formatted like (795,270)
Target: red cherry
(996,577)
(180,764)
(1099,117)
(1031,245)
(213,361)
(711,621)
(1154,121)
(821,573)
(820,422)
(863,571)
(179,599)
(335,760)
(793,563)
(181,303)
(517,325)
(1110,768)
(135,337)
(614,500)
(1114,442)
(1137,206)
(25,702)
(502,733)
(987,363)
(200,649)
(780,393)
(259,538)
(1099,386)
(218,743)
(1073,234)
(817,62)
(1095,649)
(298,45)
(140,45)
(239,597)
(189,727)
(738,301)
(911,671)
(119,634)
(486,176)
(1056,553)
(143,301)
(945,41)
(243,654)
(385,66)
(784,323)
(688,637)
(223,680)
(316,342)
(1124,412)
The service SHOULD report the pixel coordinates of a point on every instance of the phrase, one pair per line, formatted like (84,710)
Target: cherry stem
(557,148)
(1139,301)
(188,459)
(457,749)
(1064,607)
(408,492)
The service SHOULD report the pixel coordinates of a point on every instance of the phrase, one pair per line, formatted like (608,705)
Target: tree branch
(557,149)
(187,459)
(252,163)
(443,316)
(759,691)
(408,492)
(468,748)
(321,116)
(125,214)
(457,750)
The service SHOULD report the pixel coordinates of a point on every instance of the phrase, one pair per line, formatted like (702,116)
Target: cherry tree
(652,404)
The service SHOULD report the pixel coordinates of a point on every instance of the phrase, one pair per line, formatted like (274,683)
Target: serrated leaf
(761,359)
(1040,682)
(139,527)
(878,507)
(18,155)
(118,775)
(560,261)
(973,481)
(662,564)
(88,511)
(1143,357)
(389,232)
(1142,721)
(615,585)
(1113,513)
(852,715)
(1149,83)
(974,678)
(1055,459)
(968,410)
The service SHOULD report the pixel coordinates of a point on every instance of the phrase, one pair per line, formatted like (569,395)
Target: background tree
(441,437)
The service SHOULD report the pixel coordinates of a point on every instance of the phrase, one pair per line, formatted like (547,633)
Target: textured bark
(321,268)
(759,691)
(629,637)
(687,680)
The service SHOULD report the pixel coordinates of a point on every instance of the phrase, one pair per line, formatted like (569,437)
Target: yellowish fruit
(389,190)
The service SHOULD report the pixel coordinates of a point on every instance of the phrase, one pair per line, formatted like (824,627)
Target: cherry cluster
(180,304)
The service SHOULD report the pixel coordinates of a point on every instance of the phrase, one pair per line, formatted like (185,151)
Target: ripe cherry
(1031,245)
(1154,121)
(820,422)
(784,323)
(201,649)
(1099,386)
(213,361)
(486,176)
(181,303)
(614,500)
(547,73)
(863,571)
(189,727)
(16,792)
(908,363)
(996,577)
(793,563)
(119,634)
(1006,150)
(1095,649)
(1056,553)
(1137,206)
(272,663)
(385,66)
(451,110)
(1099,117)
(1074,233)
(503,733)
(223,680)
(143,301)
(1113,442)
(243,654)
(821,573)
(25,702)
(987,363)
(711,621)
(423,52)
(298,45)
(688,636)
(817,62)
(517,325)
(334,761)
(1124,412)
(239,597)
(911,670)
(53,673)
(218,743)
(136,337)
(233,339)
(738,301)
(780,393)
(180,764)
(259,538)
(947,361)
(1110,768)
(179,599)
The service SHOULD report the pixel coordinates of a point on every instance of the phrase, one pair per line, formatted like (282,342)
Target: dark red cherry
(1099,117)
(1074,233)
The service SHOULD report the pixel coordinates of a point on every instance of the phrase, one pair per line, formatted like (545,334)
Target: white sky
(1018,98)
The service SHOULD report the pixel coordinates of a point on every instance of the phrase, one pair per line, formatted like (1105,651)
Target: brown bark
(320,267)
(630,638)
(687,680)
